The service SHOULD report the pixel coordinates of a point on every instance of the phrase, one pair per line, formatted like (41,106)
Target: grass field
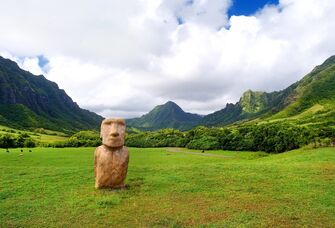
(46,137)
(55,188)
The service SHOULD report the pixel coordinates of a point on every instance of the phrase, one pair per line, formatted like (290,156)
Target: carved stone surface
(111,159)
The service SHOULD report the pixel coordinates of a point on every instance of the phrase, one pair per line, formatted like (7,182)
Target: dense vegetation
(274,137)
(13,138)
(22,140)
(268,137)
(80,139)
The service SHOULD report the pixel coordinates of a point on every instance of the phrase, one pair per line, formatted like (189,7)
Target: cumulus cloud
(123,58)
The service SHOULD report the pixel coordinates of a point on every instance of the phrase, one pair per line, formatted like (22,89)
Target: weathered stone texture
(111,159)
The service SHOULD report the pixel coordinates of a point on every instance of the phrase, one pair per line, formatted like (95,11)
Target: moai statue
(111,159)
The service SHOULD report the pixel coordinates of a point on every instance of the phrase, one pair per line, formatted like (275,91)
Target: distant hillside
(168,115)
(310,100)
(252,104)
(313,99)
(30,101)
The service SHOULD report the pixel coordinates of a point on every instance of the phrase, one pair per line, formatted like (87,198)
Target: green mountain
(30,101)
(168,115)
(252,104)
(310,100)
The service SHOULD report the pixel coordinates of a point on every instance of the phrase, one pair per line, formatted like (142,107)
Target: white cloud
(30,64)
(209,13)
(122,58)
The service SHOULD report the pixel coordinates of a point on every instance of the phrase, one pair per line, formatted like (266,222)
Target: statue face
(113,132)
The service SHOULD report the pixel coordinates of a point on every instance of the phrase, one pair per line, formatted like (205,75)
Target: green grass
(55,188)
(48,136)
(43,138)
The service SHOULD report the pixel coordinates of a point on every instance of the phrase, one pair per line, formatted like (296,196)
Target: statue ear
(101,129)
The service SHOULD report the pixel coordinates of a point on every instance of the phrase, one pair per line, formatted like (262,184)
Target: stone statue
(111,159)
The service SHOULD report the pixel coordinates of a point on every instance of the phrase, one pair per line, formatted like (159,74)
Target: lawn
(55,188)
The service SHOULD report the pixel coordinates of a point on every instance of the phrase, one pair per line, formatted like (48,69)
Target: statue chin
(113,143)
(112,146)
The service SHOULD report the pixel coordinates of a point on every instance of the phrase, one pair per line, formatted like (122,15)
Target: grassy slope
(48,136)
(315,105)
(316,99)
(55,187)
(310,101)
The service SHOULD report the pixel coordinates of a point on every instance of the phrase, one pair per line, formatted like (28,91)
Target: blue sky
(248,7)
(42,61)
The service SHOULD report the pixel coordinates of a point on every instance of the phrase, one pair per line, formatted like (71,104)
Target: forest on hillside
(268,137)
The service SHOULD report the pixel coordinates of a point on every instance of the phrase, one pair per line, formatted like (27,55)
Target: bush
(29,143)
(204,143)
(22,140)
(269,137)
(80,139)
(7,141)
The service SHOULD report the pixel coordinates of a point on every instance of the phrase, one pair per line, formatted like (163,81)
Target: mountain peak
(168,115)
(253,101)
(7,63)
(170,103)
(251,92)
(330,61)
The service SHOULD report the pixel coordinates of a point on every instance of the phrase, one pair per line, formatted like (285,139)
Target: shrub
(204,143)
(10,141)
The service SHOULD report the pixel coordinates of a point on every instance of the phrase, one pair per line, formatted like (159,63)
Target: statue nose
(114,134)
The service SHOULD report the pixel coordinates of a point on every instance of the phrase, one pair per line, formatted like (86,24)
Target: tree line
(268,137)
(274,137)
(15,141)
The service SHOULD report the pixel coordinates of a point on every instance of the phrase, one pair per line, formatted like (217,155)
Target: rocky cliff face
(253,102)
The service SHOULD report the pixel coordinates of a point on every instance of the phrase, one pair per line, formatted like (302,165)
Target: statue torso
(111,166)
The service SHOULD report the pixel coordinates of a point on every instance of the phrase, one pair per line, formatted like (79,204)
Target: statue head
(113,132)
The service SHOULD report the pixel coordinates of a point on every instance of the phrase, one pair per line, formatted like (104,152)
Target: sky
(122,58)
(248,7)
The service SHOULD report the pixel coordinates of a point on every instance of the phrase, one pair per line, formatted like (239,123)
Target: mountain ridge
(39,102)
(291,100)
(31,101)
(311,90)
